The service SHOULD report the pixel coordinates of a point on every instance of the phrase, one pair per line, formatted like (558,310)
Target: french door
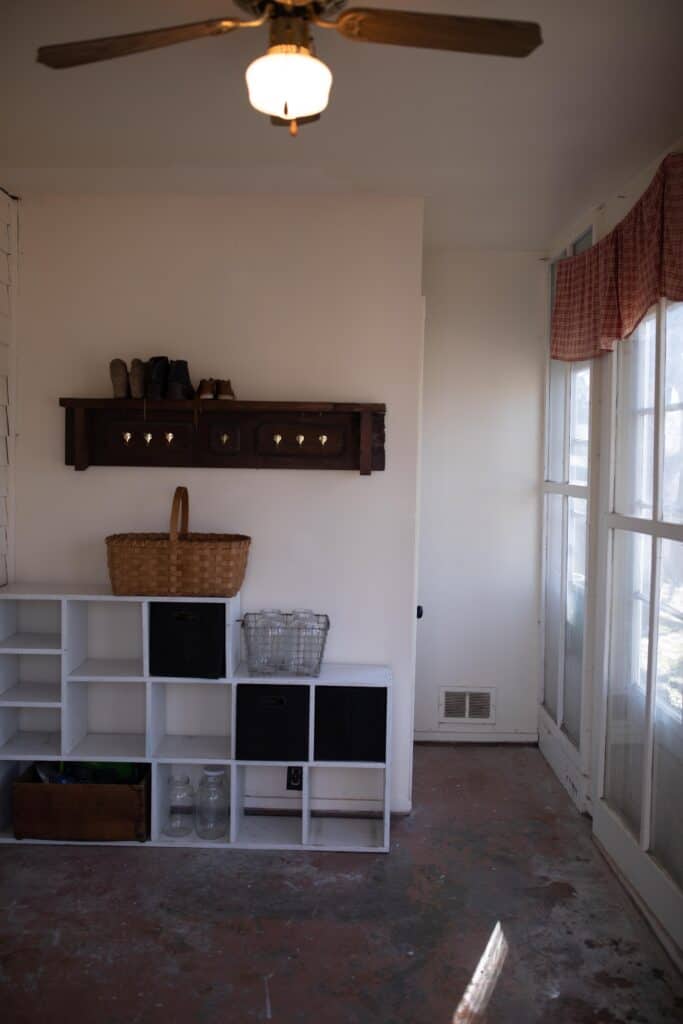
(638,781)
(563,714)
(564,723)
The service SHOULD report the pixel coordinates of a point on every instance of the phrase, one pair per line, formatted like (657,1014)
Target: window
(635,421)
(644,734)
(566,534)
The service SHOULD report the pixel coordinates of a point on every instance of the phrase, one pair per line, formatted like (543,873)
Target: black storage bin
(187,640)
(272,722)
(350,723)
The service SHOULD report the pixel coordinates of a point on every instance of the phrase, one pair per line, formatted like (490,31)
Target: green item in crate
(91,772)
(116,772)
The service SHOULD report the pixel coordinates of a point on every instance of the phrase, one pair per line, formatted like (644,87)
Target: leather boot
(119,378)
(156,377)
(137,379)
(179,383)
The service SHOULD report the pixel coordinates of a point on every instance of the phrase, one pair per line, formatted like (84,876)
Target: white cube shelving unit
(75,685)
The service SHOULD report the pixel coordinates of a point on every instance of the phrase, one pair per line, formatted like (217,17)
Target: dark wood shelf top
(218,405)
(224,433)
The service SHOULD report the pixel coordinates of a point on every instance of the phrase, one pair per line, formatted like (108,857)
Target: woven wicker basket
(177,563)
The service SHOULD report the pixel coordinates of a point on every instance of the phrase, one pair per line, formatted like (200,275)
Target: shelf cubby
(30,626)
(231,636)
(264,812)
(190,721)
(160,803)
(30,732)
(30,680)
(76,685)
(104,641)
(105,721)
(348,808)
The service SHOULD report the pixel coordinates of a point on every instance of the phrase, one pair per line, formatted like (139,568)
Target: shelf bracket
(365,443)
(81,448)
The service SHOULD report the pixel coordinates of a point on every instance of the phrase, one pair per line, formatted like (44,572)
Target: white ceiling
(505,151)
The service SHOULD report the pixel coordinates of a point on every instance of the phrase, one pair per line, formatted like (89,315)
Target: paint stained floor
(136,936)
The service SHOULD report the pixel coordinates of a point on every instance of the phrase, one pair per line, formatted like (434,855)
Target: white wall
(479,513)
(613,208)
(291,298)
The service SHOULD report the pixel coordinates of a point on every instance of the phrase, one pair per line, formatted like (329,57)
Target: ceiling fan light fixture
(289,82)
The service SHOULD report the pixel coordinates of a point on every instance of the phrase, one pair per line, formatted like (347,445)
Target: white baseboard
(674,951)
(564,763)
(456,736)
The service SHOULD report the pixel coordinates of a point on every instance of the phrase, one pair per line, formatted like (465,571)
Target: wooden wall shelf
(224,434)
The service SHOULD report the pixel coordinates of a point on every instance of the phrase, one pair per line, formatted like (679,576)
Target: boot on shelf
(156,377)
(119,378)
(179,383)
(207,388)
(137,379)
(224,389)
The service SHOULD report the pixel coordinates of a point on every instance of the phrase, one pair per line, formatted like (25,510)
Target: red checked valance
(602,294)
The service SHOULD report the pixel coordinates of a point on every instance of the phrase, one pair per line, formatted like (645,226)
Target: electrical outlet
(295,778)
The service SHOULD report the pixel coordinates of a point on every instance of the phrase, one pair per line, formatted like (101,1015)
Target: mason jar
(180,806)
(211,816)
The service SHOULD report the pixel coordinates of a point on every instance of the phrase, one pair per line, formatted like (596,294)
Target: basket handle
(180,510)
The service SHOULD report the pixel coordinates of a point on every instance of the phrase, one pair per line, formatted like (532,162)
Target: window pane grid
(575,599)
(666,835)
(642,775)
(567,458)
(556,420)
(554,603)
(627,674)
(579,423)
(635,419)
(672,456)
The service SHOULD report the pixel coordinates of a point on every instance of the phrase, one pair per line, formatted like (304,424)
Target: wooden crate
(92,811)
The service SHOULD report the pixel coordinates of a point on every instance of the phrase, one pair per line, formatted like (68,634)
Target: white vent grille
(463,705)
(479,705)
(454,704)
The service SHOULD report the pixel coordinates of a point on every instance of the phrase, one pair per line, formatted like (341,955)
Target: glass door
(565,705)
(638,802)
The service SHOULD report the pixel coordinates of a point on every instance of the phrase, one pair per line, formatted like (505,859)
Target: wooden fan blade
(88,51)
(440,31)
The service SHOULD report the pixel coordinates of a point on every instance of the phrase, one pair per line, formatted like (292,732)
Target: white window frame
(570,763)
(659,896)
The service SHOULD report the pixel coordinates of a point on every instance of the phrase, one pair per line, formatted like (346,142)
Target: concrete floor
(134,936)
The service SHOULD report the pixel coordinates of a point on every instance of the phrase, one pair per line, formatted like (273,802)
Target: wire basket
(285,643)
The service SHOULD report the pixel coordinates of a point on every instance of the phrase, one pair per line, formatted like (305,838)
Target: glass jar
(268,635)
(304,643)
(211,817)
(180,806)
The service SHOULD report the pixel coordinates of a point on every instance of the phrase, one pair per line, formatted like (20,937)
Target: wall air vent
(455,704)
(479,705)
(458,706)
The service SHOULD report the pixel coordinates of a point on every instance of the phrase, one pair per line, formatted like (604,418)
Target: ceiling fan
(289,82)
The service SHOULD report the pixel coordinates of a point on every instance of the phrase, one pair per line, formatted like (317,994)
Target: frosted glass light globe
(288,82)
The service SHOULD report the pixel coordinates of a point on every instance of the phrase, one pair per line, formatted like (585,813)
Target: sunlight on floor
(483,981)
